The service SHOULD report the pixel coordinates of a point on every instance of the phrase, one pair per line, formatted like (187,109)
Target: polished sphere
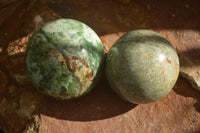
(64,58)
(142,66)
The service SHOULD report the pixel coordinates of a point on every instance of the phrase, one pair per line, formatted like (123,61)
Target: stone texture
(64,59)
(142,66)
(24,109)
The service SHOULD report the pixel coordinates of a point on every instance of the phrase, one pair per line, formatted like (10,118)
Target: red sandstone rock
(24,109)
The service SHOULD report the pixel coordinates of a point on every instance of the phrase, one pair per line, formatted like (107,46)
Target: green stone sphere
(142,66)
(64,59)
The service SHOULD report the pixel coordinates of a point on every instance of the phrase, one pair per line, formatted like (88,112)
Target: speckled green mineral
(142,66)
(64,58)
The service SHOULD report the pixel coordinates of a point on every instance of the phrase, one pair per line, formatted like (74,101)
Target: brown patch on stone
(168,61)
(63,63)
(167,84)
(162,72)
(57,55)
(85,63)
(150,56)
(75,64)
(74,58)
(89,75)
(81,71)
(176,68)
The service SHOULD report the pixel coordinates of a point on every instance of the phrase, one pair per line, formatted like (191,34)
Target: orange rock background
(24,109)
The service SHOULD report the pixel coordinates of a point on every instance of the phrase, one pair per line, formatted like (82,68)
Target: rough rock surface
(24,109)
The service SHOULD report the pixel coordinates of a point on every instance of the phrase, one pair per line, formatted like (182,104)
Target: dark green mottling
(142,66)
(50,58)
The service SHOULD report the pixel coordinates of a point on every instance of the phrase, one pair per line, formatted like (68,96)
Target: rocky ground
(24,109)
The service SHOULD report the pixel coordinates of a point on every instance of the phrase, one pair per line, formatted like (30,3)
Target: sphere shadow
(185,89)
(100,103)
(190,63)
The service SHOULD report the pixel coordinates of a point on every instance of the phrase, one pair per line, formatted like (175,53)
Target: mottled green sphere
(64,58)
(142,66)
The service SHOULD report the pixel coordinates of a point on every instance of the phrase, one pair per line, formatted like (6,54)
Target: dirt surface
(24,109)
